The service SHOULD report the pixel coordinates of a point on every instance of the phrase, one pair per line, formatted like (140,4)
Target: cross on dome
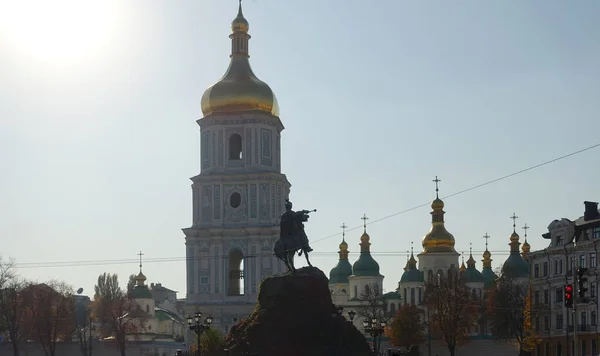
(486,237)
(364,219)
(343,227)
(140,254)
(514,218)
(525,228)
(437,189)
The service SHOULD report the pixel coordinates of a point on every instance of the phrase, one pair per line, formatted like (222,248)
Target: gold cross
(364,219)
(514,218)
(436,180)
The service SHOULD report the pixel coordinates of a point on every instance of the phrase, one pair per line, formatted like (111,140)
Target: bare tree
(118,313)
(373,306)
(374,310)
(510,314)
(49,312)
(452,312)
(12,308)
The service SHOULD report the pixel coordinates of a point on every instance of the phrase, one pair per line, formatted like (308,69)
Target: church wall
(358,284)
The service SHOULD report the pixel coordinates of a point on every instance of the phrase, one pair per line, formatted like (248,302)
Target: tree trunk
(452,350)
(15,345)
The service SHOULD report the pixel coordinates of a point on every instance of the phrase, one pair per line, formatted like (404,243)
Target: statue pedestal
(295,317)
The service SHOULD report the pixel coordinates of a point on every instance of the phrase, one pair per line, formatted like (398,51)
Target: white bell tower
(239,195)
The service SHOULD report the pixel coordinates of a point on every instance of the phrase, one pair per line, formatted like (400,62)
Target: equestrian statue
(292,237)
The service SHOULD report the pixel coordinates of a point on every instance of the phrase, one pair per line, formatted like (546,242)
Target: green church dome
(141,292)
(366,264)
(515,266)
(411,274)
(489,278)
(341,272)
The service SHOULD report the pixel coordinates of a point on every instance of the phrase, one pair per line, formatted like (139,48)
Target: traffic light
(581,280)
(569,296)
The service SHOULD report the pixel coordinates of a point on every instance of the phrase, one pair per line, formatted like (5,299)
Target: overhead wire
(205,257)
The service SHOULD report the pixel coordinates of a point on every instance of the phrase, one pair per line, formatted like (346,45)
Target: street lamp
(375,328)
(351,315)
(196,325)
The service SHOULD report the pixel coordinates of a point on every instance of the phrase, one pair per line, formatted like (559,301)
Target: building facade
(239,195)
(571,245)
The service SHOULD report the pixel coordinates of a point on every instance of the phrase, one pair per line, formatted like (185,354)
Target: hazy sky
(98,137)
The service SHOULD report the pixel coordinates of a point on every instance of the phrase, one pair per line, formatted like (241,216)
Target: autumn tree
(509,314)
(12,308)
(118,313)
(406,329)
(49,314)
(452,313)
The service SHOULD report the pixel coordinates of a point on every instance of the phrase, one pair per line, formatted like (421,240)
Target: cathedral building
(238,195)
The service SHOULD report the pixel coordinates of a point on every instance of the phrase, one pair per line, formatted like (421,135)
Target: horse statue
(292,237)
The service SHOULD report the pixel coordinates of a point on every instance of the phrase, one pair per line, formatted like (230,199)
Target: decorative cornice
(222,177)
(250,118)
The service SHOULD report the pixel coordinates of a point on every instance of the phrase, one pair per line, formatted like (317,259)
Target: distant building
(160,293)
(553,268)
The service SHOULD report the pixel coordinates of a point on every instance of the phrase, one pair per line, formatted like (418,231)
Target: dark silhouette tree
(509,313)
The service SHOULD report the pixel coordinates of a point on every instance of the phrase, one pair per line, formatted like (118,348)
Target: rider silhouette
(292,228)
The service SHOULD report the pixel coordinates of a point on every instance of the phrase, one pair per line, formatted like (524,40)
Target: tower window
(235,199)
(235,147)
(236,273)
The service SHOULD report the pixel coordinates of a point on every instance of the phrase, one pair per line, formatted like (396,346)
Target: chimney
(591,211)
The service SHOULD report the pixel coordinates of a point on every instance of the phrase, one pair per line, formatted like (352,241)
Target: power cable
(178,259)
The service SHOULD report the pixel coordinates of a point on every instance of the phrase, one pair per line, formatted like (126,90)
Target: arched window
(147,308)
(430,276)
(236,273)
(355,291)
(392,308)
(405,297)
(412,296)
(235,147)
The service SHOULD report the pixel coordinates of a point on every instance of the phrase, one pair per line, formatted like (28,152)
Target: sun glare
(57,30)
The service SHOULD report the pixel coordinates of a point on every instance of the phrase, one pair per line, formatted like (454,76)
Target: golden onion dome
(514,237)
(487,254)
(463,267)
(240,24)
(343,246)
(526,247)
(239,89)
(437,204)
(365,237)
(438,239)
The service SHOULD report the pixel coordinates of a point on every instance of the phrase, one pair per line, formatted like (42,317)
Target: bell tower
(239,195)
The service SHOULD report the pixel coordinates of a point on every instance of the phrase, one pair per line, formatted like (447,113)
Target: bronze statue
(292,237)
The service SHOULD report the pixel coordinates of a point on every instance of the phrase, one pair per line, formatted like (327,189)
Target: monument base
(295,316)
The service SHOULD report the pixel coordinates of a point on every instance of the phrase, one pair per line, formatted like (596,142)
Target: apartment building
(572,244)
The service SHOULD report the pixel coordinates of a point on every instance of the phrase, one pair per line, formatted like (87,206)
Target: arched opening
(355,291)
(235,147)
(147,308)
(236,273)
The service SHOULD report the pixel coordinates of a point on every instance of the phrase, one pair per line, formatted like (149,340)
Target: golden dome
(343,246)
(487,254)
(239,89)
(240,24)
(437,204)
(462,267)
(365,237)
(514,237)
(438,239)
(526,247)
